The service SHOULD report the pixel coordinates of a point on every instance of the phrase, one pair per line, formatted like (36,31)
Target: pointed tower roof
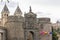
(5,9)
(30,9)
(18,11)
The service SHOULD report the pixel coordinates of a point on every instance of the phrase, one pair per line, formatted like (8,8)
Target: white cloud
(49,8)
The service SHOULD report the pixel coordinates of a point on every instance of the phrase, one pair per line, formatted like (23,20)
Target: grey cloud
(45,2)
(12,4)
(42,13)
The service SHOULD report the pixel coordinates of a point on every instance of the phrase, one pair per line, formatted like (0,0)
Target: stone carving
(22,28)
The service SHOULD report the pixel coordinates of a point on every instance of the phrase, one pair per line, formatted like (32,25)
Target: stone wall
(46,28)
(15,30)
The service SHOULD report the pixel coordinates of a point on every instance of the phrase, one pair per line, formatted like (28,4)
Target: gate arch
(30,35)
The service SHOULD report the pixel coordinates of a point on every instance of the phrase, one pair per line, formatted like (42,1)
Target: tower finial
(18,12)
(5,9)
(30,9)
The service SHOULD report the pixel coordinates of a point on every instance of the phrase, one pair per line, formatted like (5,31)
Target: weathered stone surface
(14,30)
(24,28)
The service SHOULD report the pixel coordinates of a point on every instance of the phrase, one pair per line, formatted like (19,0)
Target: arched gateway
(30,28)
(2,33)
(30,35)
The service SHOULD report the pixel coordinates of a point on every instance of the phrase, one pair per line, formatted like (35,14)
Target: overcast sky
(43,8)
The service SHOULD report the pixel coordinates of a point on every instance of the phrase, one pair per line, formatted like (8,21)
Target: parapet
(2,28)
(44,20)
(14,19)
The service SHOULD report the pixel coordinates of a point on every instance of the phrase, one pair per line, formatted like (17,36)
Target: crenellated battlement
(24,28)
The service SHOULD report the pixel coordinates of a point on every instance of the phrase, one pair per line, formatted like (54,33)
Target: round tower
(4,14)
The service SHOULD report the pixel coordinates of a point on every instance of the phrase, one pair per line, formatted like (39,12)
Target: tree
(54,35)
(58,30)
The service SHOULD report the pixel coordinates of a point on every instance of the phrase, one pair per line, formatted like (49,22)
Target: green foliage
(58,30)
(54,35)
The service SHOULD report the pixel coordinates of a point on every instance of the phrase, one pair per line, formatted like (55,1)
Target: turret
(5,14)
(30,18)
(18,12)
